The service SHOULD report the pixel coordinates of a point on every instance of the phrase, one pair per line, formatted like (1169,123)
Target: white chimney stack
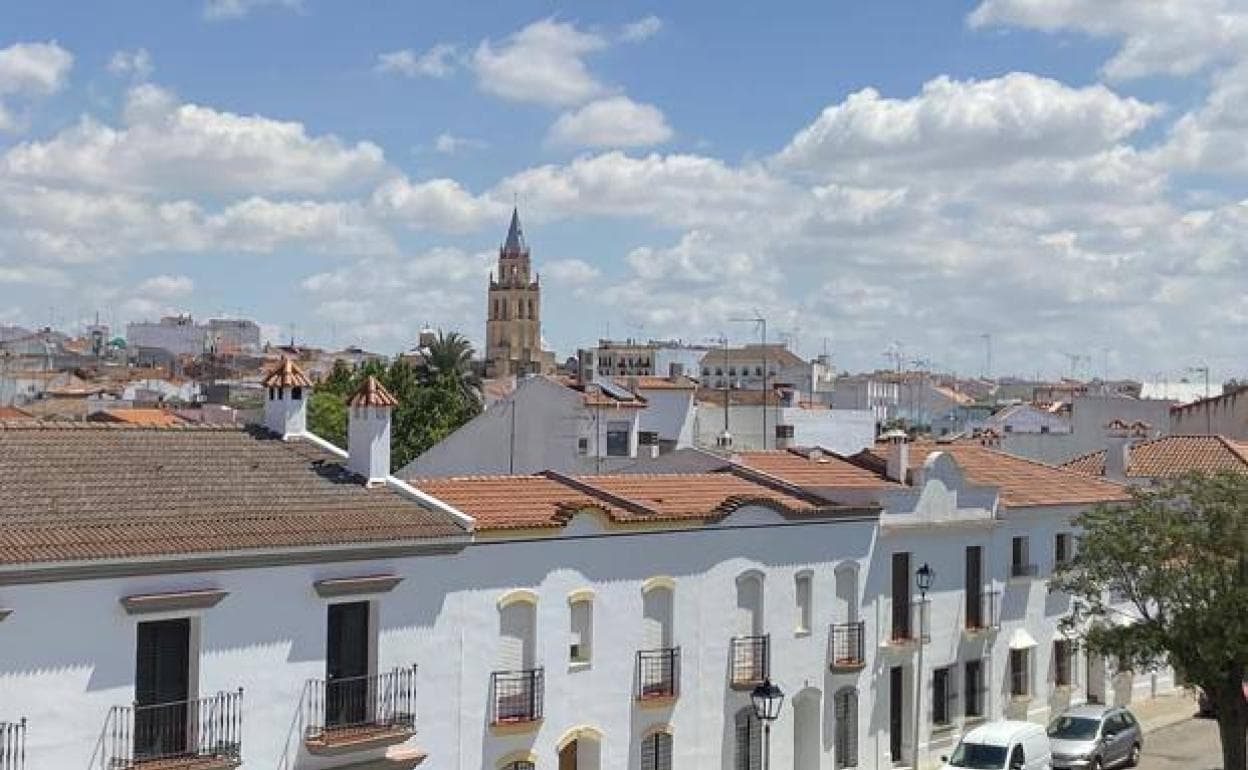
(287,390)
(1119,436)
(368,430)
(898,459)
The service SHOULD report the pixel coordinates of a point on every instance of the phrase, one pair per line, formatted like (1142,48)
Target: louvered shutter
(846,713)
(656,752)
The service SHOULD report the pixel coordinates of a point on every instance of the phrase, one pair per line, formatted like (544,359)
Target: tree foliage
(1164,579)
(435,397)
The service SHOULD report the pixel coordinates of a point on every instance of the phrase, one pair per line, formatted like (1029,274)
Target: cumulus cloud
(642,29)
(166,286)
(543,63)
(1175,37)
(964,124)
(449,144)
(1214,137)
(136,64)
(30,71)
(220,10)
(613,122)
(571,272)
(169,145)
(437,62)
(435,204)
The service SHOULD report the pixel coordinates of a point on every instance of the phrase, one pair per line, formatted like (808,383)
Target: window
(804,591)
(1018,758)
(943,695)
(1061,548)
(1063,658)
(749,741)
(845,707)
(1019,564)
(1044,429)
(581,621)
(974,587)
(901,595)
(520,764)
(973,687)
(706,371)
(617,439)
(656,752)
(582,446)
(758,371)
(732,371)
(1020,684)
(296,393)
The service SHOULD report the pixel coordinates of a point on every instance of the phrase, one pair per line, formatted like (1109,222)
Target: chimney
(784,436)
(286,399)
(368,430)
(1119,436)
(648,443)
(898,458)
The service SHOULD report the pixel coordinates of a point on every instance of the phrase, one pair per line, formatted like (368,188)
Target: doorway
(1096,678)
(162,684)
(896,710)
(346,665)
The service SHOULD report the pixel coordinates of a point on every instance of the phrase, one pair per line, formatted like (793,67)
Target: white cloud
(1214,137)
(438,62)
(219,10)
(166,286)
(1175,37)
(435,204)
(136,64)
(571,272)
(449,144)
(642,29)
(543,63)
(964,124)
(166,145)
(260,225)
(36,69)
(613,122)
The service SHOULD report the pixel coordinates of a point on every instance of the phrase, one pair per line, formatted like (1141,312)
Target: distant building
(180,335)
(1225,415)
(876,394)
(513,329)
(751,366)
(629,358)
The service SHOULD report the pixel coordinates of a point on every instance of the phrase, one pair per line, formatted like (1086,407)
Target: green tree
(327,416)
(449,358)
(1176,556)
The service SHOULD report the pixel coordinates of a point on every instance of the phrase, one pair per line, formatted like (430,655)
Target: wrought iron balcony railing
(13,745)
(751,660)
(982,611)
(658,673)
(846,641)
(516,696)
(359,706)
(201,732)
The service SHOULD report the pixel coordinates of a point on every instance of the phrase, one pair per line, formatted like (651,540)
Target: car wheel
(1134,758)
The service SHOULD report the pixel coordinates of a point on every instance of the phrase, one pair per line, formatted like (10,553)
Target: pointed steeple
(515,234)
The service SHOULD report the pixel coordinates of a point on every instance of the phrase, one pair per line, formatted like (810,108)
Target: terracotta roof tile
(84,491)
(651,382)
(13,413)
(1172,456)
(812,469)
(155,417)
(371,393)
(1022,482)
(286,374)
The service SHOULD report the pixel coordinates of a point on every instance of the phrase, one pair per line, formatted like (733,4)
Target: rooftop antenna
(987,337)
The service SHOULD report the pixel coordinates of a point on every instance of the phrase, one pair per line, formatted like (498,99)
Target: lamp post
(923,579)
(767,699)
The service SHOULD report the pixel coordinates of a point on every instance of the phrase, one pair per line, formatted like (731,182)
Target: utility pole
(762,322)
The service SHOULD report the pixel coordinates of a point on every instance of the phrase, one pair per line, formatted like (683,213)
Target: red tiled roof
(13,413)
(1172,456)
(87,491)
(1022,482)
(651,382)
(153,417)
(371,393)
(548,500)
(286,374)
(811,469)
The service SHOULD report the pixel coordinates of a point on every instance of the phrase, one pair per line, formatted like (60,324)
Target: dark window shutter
(656,752)
(846,713)
(749,754)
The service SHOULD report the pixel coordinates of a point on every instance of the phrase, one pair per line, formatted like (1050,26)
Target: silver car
(1095,737)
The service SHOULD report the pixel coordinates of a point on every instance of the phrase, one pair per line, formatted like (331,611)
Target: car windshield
(979,756)
(1073,728)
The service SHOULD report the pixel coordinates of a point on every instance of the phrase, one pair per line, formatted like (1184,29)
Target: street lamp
(767,699)
(923,579)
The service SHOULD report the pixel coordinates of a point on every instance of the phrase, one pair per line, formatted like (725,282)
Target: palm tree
(450,356)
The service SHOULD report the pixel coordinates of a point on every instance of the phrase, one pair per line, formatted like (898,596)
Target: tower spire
(515,234)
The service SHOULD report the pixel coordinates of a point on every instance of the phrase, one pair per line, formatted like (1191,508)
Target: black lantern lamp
(767,699)
(923,579)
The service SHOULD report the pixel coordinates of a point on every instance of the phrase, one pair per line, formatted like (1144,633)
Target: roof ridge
(1229,445)
(33,425)
(584,487)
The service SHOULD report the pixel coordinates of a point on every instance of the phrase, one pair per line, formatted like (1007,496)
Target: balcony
(13,745)
(751,660)
(846,642)
(203,733)
(658,674)
(1023,570)
(516,696)
(911,623)
(982,611)
(360,712)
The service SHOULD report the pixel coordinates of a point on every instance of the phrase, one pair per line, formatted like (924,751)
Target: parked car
(1002,745)
(1206,706)
(1094,737)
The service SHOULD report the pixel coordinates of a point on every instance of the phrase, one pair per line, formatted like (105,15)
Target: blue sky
(1065,175)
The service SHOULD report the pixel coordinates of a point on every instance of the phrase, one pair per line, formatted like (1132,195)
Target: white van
(1002,745)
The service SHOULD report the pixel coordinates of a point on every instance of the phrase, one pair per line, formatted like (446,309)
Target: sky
(1067,178)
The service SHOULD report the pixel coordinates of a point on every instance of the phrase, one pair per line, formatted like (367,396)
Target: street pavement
(1188,745)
